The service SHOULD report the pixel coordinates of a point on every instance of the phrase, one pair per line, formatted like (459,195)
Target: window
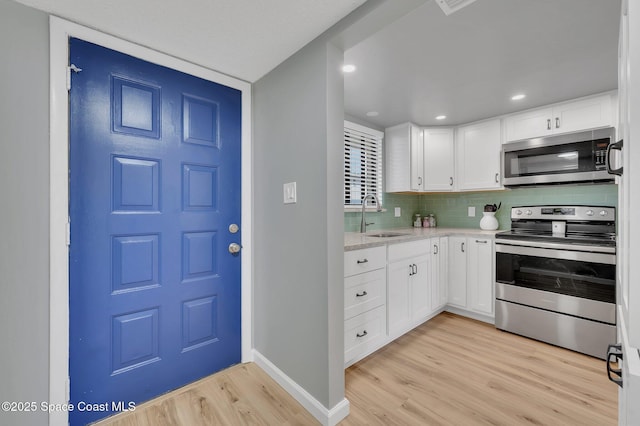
(362,164)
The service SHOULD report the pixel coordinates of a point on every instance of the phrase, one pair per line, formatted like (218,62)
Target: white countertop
(356,240)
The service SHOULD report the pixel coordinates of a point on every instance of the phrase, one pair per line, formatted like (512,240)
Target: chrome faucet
(363,224)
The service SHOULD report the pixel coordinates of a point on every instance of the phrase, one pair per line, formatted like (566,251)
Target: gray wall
(297,247)
(24,216)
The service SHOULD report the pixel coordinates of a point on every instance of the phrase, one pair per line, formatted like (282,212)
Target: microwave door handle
(612,146)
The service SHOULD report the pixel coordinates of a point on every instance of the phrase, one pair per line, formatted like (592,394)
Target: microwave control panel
(600,155)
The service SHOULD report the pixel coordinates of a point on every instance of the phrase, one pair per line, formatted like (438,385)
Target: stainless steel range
(556,276)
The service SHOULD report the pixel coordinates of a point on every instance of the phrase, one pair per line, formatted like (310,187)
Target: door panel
(154,184)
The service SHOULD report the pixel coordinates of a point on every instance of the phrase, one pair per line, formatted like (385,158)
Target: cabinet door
(439,273)
(458,248)
(583,114)
(420,291)
(438,159)
(443,268)
(478,149)
(403,158)
(417,155)
(398,295)
(480,280)
(528,124)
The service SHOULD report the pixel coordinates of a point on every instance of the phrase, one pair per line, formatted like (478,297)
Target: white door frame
(60,30)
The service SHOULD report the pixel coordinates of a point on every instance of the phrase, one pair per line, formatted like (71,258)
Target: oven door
(572,282)
(564,158)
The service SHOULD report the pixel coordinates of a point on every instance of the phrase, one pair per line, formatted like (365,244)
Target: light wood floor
(449,371)
(240,395)
(457,371)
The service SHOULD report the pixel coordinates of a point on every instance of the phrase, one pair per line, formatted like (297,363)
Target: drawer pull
(364,293)
(482,241)
(362,261)
(364,333)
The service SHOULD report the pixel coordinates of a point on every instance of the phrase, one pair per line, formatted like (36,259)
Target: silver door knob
(234,248)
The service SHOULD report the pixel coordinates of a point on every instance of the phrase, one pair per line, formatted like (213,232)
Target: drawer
(364,292)
(364,332)
(410,249)
(365,260)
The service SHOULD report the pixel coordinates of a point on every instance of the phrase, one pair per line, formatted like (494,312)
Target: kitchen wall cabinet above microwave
(419,160)
(582,114)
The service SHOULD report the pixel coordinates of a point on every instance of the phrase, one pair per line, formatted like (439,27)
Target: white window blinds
(362,164)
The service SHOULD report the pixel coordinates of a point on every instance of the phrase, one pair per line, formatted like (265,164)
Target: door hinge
(70,68)
(68,232)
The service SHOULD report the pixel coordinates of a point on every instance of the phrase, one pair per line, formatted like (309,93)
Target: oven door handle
(609,259)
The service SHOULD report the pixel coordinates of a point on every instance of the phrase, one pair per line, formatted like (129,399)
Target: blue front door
(154,186)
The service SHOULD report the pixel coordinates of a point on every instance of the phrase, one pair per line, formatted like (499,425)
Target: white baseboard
(470,314)
(327,417)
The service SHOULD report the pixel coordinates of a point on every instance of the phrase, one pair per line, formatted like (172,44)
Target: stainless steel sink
(387,234)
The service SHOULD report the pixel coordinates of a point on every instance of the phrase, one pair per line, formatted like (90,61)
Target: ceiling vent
(450,6)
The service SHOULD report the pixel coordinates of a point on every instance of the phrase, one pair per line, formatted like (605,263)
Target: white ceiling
(242,38)
(468,65)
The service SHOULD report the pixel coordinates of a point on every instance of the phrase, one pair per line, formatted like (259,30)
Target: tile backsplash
(451,209)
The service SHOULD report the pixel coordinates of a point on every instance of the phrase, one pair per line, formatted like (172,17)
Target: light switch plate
(398,212)
(290,193)
(471,211)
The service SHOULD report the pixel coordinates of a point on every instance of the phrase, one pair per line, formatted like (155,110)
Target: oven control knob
(528,212)
(518,212)
(590,213)
(604,213)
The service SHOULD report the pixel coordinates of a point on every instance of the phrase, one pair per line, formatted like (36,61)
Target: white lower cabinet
(413,283)
(471,274)
(389,290)
(365,296)
(480,280)
(439,272)
(458,272)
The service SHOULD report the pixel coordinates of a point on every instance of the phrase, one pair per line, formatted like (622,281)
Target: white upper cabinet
(581,114)
(418,159)
(438,159)
(403,158)
(478,148)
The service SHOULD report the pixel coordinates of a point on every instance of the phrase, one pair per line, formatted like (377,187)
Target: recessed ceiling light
(373,114)
(518,97)
(348,68)
(441,117)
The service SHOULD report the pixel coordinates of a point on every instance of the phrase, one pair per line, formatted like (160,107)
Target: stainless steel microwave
(570,158)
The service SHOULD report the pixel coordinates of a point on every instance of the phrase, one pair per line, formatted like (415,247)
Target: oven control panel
(564,213)
(558,211)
